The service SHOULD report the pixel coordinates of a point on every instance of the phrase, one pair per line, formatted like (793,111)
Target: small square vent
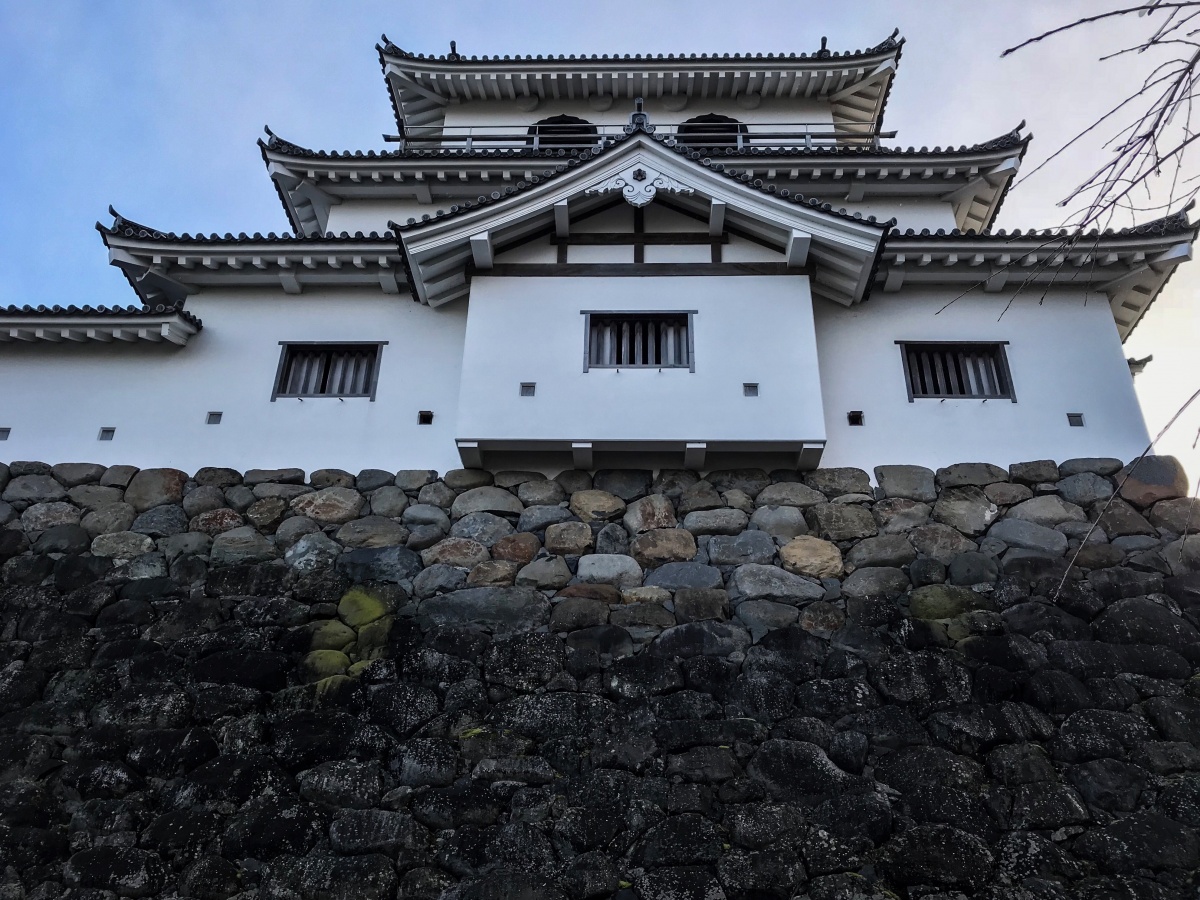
(425,417)
(1075,420)
(4,433)
(855,417)
(106,434)
(528,388)
(214,418)
(750,389)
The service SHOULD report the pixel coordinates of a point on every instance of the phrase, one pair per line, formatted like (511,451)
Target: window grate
(944,371)
(528,388)
(639,340)
(749,389)
(106,434)
(328,370)
(214,418)
(1075,420)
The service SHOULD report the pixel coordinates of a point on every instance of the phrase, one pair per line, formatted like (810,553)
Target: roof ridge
(1171,224)
(111,311)
(890,43)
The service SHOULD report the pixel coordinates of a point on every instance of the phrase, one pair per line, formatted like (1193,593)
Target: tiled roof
(893,42)
(1175,224)
(128,228)
(75,312)
(1012,140)
(547,174)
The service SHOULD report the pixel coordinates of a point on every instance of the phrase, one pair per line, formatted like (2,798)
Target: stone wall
(503,687)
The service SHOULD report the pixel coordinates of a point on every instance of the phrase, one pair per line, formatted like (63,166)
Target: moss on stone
(373,638)
(330,634)
(944,601)
(320,664)
(359,606)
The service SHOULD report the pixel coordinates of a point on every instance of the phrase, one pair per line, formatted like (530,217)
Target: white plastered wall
(57,397)
(1064,355)
(746,329)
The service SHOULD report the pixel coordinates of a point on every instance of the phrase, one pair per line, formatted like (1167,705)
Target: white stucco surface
(746,329)
(58,396)
(1064,356)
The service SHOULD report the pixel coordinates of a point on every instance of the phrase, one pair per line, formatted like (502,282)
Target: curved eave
(439,249)
(73,324)
(1129,267)
(856,83)
(173,266)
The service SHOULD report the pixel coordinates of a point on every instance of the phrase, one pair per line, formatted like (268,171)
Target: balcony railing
(772,135)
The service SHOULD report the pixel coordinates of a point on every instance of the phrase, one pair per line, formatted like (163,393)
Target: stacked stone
(965,683)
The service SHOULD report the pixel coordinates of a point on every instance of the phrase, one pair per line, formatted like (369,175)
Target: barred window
(328,370)
(946,370)
(660,340)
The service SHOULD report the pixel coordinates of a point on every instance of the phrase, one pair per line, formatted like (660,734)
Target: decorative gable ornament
(639,184)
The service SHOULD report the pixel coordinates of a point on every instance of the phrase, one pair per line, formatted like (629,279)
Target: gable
(444,250)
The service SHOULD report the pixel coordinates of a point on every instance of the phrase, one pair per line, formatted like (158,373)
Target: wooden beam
(562,219)
(716,218)
(481,250)
(470,453)
(693,455)
(797,249)
(642,270)
(581,455)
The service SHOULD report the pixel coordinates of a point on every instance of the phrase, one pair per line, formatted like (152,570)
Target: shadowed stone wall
(502,687)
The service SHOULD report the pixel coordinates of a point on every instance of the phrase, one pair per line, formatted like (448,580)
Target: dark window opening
(214,418)
(106,434)
(4,433)
(425,417)
(712,130)
(640,340)
(855,417)
(528,388)
(945,371)
(749,389)
(328,370)
(562,131)
(1075,420)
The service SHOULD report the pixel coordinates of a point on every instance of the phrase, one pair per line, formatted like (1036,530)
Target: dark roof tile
(102,312)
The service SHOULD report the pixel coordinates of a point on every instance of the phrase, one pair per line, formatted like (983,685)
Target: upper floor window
(948,370)
(562,131)
(328,370)
(639,340)
(712,130)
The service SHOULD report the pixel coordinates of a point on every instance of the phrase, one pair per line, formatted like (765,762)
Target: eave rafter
(92,325)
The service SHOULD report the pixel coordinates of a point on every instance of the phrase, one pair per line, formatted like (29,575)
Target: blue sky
(155,107)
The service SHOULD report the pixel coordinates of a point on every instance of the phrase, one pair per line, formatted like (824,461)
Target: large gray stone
(412,480)
(70,475)
(875,581)
(837,481)
(330,506)
(701,639)
(1029,536)
(204,498)
(155,487)
(241,545)
(1085,488)
(311,553)
(541,492)
(716,521)
(1034,472)
(389,501)
(597,506)
(546,574)
(885,550)
(898,515)
(966,509)
(1096,465)
(537,519)
(121,545)
(673,482)
(503,610)
(390,564)
(426,514)
(964,474)
(842,521)
(781,522)
(372,531)
(108,519)
(1153,478)
(680,575)
(737,550)
(699,496)
(628,484)
(33,489)
(908,482)
(161,521)
(610,568)
(273,476)
(486,499)
(649,513)
(485,527)
(1177,516)
(93,496)
(1048,510)
(40,516)
(663,545)
(762,616)
(940,542)
(455,552)
(754,581)
(749,481)
(789,494)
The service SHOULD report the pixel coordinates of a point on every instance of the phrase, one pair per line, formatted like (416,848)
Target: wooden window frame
(998,348)
(285,346)
(587,335)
